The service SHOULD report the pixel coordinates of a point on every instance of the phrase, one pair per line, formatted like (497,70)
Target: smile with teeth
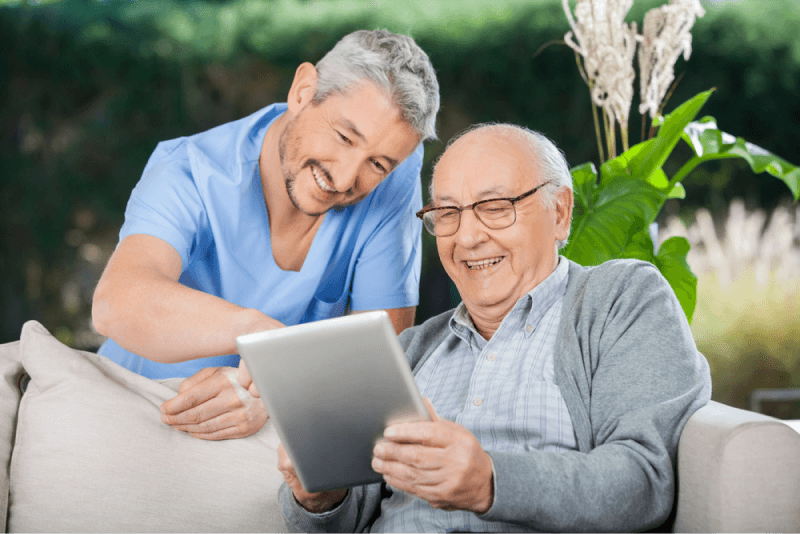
(482,264)
(321,183)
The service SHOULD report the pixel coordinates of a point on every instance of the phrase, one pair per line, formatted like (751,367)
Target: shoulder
(418,339)
(612,279)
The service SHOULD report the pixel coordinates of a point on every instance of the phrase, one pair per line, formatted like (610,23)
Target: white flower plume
(607,44)
(665,36)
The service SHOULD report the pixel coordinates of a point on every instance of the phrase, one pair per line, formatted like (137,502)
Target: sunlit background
(89,87)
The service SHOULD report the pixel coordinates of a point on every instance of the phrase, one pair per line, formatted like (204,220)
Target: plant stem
(686,169)
(597,131)
(623,130)
(611,135)
(644,125)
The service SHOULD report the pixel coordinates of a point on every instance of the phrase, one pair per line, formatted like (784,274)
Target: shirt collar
(531,306)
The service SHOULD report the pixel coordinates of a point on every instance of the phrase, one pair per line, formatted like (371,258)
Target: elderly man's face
(337,152)
(492,269)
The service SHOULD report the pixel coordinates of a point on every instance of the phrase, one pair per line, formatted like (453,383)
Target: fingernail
(164,419)
(377,464)
(389,432)
(378,450)
(163,410)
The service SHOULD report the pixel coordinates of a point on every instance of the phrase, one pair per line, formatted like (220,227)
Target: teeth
(482,264)
(320,182)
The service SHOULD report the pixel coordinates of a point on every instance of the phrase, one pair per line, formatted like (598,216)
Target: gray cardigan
(631,377)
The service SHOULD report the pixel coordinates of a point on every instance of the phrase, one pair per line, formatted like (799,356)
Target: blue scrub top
(202,195)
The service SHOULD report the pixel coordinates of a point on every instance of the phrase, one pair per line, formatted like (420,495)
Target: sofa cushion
(10,374)
(91,454)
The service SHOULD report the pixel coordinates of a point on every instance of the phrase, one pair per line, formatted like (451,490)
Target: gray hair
(395,63)
(552,162)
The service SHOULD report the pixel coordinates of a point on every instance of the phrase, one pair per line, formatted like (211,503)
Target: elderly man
(299,212)
(559,391)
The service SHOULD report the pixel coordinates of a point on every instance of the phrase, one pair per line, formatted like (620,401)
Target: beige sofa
(84,450)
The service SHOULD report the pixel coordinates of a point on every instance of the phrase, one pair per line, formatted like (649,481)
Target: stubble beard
(289,178)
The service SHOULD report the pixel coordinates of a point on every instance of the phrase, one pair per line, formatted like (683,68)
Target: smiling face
(336,152)
(492,269)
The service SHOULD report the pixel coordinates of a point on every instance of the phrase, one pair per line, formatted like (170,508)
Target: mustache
(316,163)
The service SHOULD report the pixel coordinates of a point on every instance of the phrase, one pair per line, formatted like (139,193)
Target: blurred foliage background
(88,87)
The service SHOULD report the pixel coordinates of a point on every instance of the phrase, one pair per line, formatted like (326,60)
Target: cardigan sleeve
(631,376)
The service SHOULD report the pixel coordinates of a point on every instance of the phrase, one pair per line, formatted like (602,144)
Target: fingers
(197,378)
(197,389)
(431,411)
(244,378)
(205,413)
(213,405)
(440,462)
(239,423)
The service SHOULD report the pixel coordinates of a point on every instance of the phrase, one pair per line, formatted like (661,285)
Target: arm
(401,318)
(140,304)
(632,377)
(343,510)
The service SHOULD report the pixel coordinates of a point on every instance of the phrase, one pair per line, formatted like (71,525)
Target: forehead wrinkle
(489,192)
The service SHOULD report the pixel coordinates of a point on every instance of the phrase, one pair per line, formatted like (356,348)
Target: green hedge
(91,86)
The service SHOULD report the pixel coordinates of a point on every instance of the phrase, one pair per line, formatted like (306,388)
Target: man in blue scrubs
(296,213)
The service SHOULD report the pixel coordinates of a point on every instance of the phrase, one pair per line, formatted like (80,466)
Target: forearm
(609,489)
(353,514)
(165,321)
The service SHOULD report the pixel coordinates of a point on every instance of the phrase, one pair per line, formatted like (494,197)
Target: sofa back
(91,454)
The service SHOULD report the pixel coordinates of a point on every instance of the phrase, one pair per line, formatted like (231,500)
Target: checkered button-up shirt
(503,390)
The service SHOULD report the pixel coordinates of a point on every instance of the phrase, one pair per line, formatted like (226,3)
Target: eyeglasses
(494,213)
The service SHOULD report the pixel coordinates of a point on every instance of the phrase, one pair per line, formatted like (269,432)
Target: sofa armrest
(738,471)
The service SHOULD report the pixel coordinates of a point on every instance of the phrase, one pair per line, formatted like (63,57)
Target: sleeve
(166,202)
(388,267)
(641,379)
(354,514)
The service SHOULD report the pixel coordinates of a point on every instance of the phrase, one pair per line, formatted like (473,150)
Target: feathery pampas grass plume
(666,34)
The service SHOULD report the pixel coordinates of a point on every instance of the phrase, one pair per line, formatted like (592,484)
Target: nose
(471,231)
(346,176)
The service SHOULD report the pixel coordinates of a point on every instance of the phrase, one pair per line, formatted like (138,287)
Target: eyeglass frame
(427,209)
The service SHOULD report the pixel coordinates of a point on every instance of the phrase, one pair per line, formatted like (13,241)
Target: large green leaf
(671,262)
(709,142)
(652,155)
(607,213)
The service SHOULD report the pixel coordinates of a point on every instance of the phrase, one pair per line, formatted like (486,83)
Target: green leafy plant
(615,208)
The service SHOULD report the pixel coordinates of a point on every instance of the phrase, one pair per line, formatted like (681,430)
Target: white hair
(395,63)
(550,160)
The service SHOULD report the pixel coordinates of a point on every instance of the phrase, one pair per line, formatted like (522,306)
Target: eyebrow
(492,192)
(350,127)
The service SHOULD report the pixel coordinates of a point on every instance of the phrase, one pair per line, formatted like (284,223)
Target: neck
(487,318)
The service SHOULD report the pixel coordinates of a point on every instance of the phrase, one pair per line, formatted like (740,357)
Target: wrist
(249,321)
(486,499)
(322,502)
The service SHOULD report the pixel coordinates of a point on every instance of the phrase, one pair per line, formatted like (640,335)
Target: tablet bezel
(358,352)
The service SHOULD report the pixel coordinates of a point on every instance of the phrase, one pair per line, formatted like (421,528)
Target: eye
(378,167)
(344,138)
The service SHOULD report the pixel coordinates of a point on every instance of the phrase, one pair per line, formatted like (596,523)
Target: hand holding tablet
(331,388)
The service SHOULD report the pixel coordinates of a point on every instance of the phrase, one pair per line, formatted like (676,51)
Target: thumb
(431,411)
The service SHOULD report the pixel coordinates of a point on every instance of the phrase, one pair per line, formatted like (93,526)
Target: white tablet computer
(331,388)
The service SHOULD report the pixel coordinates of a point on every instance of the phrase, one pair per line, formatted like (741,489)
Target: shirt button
(529,328)
(491,356)
(478,401)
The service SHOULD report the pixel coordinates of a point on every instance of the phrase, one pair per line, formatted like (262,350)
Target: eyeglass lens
(495,214)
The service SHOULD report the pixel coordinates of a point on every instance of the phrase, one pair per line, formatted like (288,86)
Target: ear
(303,88)
(564,201)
